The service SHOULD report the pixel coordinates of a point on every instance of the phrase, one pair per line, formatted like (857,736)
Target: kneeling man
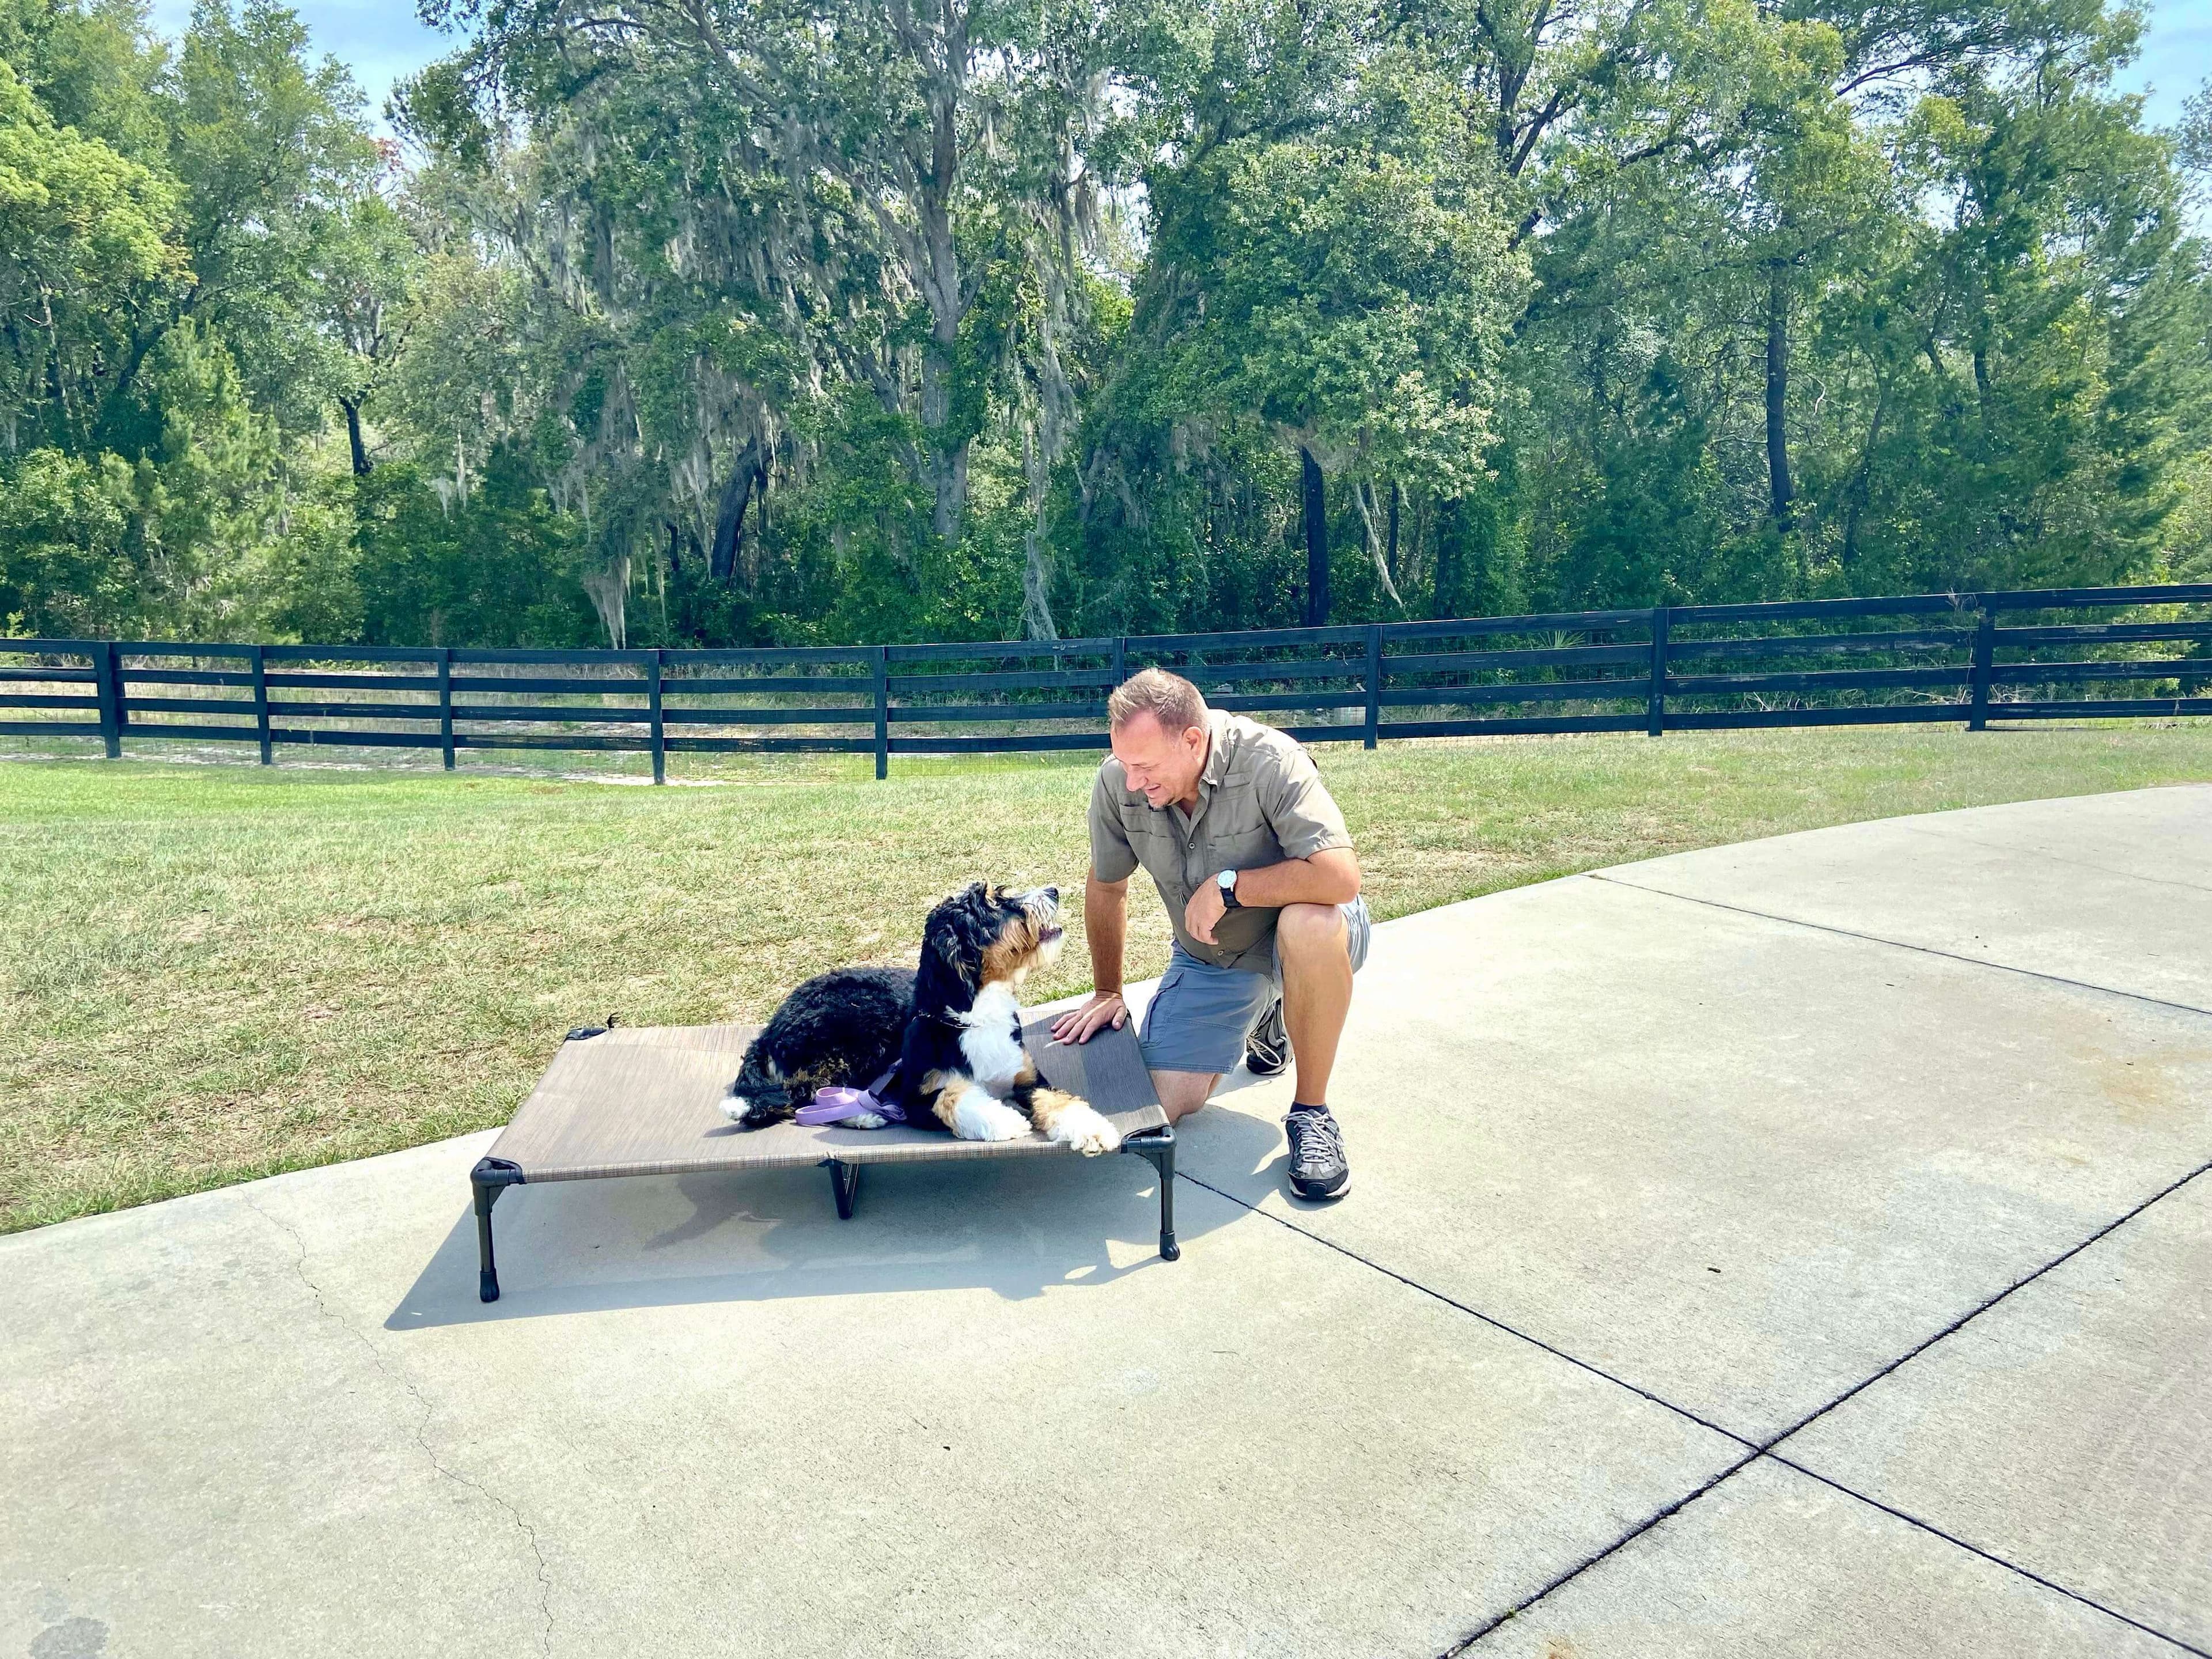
(1251,858)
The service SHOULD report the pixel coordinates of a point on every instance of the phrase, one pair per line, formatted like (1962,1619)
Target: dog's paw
(865,1121)
(978,1118)
(734,1107)
(1081,1127)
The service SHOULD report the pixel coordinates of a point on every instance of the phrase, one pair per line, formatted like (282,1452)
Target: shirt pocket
(1244,848)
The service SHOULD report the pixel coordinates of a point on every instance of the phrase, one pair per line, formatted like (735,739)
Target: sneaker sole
(1337,1191)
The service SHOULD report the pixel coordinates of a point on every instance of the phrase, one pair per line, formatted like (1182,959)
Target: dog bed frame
(643,1100)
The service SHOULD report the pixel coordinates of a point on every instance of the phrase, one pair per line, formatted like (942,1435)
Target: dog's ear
(947,974)
(951,948)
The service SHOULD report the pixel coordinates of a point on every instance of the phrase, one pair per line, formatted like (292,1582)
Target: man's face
(1160,766)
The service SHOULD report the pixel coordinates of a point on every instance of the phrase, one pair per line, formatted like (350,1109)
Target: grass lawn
(213,973)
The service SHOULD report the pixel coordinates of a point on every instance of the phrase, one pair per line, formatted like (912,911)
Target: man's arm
(1106,926)
(1328,877)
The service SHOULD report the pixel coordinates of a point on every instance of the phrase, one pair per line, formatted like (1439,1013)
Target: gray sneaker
(1267,1049)
(1317,1165)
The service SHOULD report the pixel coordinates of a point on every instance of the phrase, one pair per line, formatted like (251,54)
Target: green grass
(215,972)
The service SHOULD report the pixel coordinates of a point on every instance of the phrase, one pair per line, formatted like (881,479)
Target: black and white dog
(949,1032)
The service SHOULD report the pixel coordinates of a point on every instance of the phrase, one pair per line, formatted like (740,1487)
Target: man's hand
(1081,1024)
(1206,907)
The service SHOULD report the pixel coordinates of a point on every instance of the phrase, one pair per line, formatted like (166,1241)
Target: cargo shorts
(1199,1016)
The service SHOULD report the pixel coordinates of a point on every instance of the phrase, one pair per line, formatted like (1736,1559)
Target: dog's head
(984,936)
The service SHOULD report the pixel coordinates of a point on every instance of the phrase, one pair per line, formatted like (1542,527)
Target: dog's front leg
(1061,1117)
(973,1113)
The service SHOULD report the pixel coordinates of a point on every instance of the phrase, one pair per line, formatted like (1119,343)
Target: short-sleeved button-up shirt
(1260,801)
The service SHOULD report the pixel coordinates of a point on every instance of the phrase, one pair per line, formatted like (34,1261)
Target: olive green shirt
(1260,801)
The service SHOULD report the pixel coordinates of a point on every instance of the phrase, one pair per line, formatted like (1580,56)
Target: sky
(381,42)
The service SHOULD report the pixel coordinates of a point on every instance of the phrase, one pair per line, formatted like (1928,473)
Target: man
(1251,858)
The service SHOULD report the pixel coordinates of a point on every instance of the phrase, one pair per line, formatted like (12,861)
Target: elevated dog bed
(643,1101)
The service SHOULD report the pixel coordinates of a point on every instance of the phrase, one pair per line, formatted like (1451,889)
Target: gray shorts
(1198,1019)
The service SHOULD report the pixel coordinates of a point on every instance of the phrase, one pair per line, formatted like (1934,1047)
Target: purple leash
(836,1105)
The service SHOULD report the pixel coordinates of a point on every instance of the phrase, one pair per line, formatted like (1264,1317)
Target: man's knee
(1183,1092)
(1311,930)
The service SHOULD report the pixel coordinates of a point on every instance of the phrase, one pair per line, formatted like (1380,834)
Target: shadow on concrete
(1017,1228)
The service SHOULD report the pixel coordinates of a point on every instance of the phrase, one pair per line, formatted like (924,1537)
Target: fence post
(261,703)
(1655,721)
(659,726)
(1120,659)
(445,703)
(1985,640)
(882,677)
(1374,682)
(107,683)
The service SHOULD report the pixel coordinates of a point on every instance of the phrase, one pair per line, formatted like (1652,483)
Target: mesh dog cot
(642,1101)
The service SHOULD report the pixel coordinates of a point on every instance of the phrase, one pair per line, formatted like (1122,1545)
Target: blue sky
(379,39)
(382,41)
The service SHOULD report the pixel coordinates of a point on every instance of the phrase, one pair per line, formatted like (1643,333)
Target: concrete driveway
(1799,1248)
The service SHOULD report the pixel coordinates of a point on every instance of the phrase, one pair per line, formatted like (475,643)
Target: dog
(948,1031)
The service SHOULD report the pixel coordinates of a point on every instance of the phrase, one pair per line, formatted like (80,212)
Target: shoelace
(1314,1141)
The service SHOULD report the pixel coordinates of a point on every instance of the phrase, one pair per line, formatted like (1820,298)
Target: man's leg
(1182,1093)
(1312,945)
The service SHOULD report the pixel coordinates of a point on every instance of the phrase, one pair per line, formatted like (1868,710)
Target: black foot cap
(488,1287)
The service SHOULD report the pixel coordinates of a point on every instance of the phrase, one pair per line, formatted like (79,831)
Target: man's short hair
(1172,700)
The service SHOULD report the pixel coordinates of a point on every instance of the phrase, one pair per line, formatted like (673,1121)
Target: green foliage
(695,322)
(65,571)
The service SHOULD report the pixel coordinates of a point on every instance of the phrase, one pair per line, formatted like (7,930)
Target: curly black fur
(842,1028)
(851,1026)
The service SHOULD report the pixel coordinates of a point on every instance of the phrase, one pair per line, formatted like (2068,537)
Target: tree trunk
(361,461)
(1447,559)
(942,291)
(1777,396)
(1391,559)
(748,472)
(1982,374)
(1316,518)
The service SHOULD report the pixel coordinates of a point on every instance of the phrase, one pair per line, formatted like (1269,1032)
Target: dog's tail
(759,1097)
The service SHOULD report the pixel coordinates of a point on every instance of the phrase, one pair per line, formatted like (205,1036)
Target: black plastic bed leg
(491,1177)
(844,1186)
(1157,1149)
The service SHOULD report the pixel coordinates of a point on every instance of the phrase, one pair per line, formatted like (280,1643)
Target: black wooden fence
(1971,657)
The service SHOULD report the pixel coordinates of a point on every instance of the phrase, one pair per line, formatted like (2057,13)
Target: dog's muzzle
(1043,905)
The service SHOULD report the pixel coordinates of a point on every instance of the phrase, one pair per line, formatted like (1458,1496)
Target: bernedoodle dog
(949,1032)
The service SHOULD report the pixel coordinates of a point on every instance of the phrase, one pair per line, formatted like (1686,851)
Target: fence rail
(1969,657)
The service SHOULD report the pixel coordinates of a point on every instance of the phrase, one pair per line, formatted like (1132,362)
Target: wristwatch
(1227,882)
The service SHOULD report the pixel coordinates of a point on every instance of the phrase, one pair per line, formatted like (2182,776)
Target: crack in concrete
(1902,944)
(1756,1450)
(1986,1555)
(423,1424)
(2053,858)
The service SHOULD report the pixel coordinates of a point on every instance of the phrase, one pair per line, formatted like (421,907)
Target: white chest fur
(992,1044)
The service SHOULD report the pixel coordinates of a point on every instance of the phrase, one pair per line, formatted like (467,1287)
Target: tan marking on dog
(949,1091)
(1046,1106)
(1010,956)
(1027,1074)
